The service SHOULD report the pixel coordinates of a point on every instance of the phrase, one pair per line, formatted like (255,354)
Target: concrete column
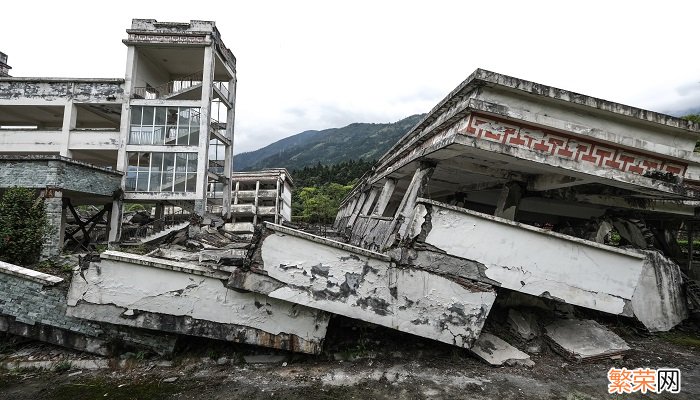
(70,116)
(277,202)
(228,157)
(257,190)
(385,196)
(204,131)
(369,201)
(356,211)
(56,217)
(509,201)
(404,212)
(115,223)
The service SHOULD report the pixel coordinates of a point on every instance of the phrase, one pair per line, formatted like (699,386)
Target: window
(162,172)
(177,126)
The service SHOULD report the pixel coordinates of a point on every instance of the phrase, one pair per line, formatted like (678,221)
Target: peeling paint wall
(33,305)
(157,294)
(352,282)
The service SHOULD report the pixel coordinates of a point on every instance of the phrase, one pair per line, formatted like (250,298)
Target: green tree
(692,117)
(23,225)
(320,204)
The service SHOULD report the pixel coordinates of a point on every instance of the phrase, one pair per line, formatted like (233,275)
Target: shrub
(23,226)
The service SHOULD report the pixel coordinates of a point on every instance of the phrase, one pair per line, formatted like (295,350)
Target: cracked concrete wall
(531,260)
(472,245)
(359,284)
(157,294)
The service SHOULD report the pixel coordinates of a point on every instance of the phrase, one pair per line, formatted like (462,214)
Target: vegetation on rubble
(23,225)
(321,188)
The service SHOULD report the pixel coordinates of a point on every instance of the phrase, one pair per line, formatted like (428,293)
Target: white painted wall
(159,290)
(537,262)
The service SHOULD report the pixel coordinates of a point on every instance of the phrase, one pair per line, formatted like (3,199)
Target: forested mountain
(330,146)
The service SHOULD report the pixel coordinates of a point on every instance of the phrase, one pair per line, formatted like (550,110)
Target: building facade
(165,129)
(260,196)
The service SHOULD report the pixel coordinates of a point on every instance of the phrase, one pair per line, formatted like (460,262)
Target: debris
(583,340)
(170,380)
(522,324)
(265,358)
(496,351)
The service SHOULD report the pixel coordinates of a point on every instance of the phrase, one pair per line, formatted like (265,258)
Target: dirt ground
(381,364)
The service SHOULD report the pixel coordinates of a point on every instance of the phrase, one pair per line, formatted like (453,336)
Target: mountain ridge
(355,141)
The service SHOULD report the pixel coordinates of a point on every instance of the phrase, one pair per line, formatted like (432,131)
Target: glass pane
(142,176)
(194,135)
(168,162)
(131,171)
(184,119)
(156,168)
(191,182)
(167,185)
(182,134)
(160,116)
(147,116)
(136,115)
(179,182)
(180,162)
(158,134)
(191,162)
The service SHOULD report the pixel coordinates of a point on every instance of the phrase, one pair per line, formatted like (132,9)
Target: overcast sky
(321,64)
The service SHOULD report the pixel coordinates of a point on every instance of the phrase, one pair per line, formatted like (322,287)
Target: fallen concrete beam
(145,292)
(357,283)
(542,263)
(496,352)
(584,340)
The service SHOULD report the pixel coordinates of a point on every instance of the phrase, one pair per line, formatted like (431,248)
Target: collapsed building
(507,189)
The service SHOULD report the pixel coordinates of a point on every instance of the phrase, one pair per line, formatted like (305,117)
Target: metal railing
(137,233)
(223,88)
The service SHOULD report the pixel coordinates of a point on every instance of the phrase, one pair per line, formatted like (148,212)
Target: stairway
(155,235)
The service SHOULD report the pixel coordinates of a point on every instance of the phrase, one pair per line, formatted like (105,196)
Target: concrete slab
(357,283)
(143,292)
(583,340)
(497,352)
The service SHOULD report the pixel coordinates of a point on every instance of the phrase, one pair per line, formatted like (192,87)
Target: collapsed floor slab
(539,262)
(357,283)
(583,340)
(33,305)
(146,292)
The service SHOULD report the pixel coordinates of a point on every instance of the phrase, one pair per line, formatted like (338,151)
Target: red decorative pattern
(569,147)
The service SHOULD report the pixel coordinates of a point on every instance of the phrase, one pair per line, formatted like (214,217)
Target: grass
(100,388)
(681,339)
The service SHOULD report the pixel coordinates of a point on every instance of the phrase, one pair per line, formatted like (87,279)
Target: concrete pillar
(115,223)
(385,196)
(277,202)
(204,131)
(404,212)
(70,116)
(369,201)
(228,157)
(257,190)
(56,217)
(509,201)
(356,211)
